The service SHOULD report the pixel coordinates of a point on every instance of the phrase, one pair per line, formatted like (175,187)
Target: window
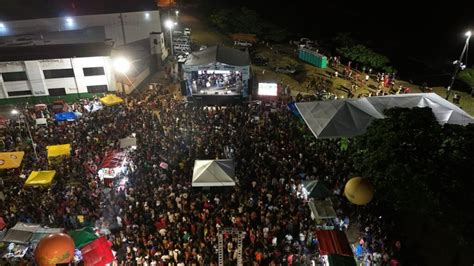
(97,89)
(93,71)
(155,41)
(57,92)
(14,76)
(58,73)
(19,93)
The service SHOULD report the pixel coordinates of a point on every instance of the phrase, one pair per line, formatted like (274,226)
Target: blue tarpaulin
(67,116)
(293,109)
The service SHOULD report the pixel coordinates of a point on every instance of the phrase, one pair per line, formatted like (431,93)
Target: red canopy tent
(333,242)
(3,120)
(110,166)
(113,159)
(3,224)
(97,252)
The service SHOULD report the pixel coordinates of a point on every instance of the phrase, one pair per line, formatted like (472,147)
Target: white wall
(55,64)
(39,85)
(160,48)
(69,84)
(12,66)
(99,61)
(36,78)
(17,86)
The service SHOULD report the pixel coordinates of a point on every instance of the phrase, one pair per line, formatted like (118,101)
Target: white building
(73,55)
(55,74)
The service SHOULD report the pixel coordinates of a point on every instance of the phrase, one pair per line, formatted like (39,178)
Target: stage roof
(219,54)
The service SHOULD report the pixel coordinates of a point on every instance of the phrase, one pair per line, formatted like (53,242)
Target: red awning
(2,223)
(333,242)
(97,252)
(113,159)
(3,120)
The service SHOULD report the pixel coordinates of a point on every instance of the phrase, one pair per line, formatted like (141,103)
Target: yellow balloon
(359,191)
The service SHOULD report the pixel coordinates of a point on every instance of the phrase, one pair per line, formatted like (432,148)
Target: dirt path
(201,33)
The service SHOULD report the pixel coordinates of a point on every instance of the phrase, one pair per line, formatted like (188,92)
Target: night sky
(420,39)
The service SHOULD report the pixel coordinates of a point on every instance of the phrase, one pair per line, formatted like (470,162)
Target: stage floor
(216,91)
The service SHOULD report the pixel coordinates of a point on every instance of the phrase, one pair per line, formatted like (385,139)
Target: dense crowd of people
(158,219)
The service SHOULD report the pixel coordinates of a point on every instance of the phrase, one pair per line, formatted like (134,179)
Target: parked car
(285,70)
(202,47)
(187,32)
(243,43)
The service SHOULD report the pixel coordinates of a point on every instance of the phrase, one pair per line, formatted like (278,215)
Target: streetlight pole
(20,114)
(171,42)
(458,64)
(122,65)
(302,239)
(169,24)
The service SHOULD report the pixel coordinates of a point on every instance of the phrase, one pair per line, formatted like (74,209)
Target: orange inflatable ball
(54,249)
(359,191)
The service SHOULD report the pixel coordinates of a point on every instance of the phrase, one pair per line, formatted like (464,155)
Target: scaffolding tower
(220,243)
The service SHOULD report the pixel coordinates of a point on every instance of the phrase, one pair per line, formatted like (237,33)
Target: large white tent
(351,117)
(213,173)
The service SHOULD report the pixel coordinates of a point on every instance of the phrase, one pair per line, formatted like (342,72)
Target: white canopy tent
(21,233)
(322,209)
(351,117)
(213,173)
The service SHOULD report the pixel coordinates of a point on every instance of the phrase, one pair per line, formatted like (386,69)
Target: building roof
(28,26)
(219,54)
(22,53)
(86,35)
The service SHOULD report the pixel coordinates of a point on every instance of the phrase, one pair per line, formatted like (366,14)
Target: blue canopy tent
(66,116)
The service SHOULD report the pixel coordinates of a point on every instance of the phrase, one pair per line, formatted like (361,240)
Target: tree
(467,76)
(247,21)
(365,56)
(221,20)
(420,169)
(343,39)
(272,32)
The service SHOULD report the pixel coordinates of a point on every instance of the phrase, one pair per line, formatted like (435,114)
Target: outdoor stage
(222,91)
(215,99)
(217,75)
